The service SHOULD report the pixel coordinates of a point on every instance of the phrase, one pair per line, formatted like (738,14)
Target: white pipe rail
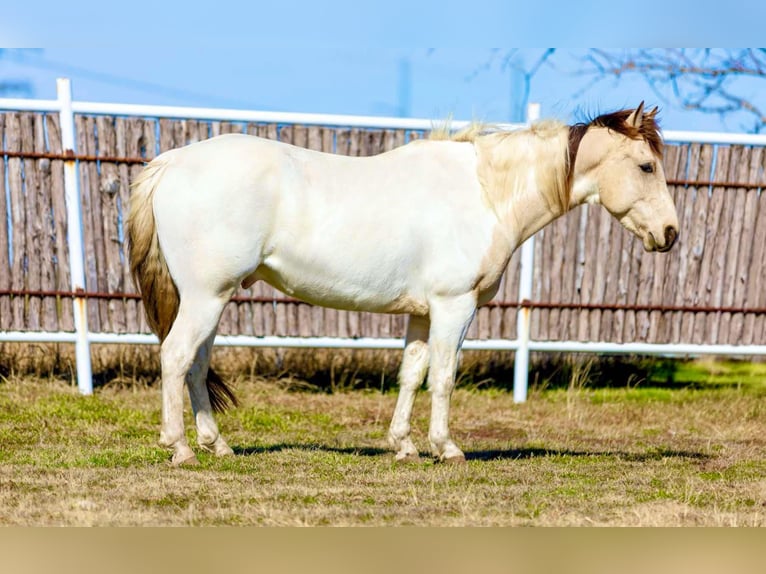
(336,120)
(601,347)
(82,338)
(75,238)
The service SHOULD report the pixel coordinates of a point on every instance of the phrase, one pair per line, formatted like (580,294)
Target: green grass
(586,454)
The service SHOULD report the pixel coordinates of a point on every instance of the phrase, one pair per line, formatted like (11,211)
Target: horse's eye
(647,167)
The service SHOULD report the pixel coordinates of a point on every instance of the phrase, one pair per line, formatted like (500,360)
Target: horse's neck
(526,180)
(529,212)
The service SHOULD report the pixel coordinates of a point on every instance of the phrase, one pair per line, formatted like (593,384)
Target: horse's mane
(498,161)
(469,133)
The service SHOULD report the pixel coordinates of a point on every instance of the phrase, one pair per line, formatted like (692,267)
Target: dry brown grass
(573,456)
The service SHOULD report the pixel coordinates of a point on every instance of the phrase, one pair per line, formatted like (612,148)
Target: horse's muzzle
(671,234)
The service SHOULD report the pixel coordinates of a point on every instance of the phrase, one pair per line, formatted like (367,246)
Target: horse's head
(619,164)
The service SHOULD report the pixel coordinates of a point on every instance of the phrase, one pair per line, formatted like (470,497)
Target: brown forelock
(649,131)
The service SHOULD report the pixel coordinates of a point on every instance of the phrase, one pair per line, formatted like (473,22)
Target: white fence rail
(522,345)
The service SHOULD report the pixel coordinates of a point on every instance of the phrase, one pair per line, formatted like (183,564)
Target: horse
(426,229)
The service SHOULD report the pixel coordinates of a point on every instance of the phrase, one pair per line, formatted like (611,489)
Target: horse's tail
(151,274)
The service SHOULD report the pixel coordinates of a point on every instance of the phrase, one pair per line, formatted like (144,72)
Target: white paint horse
(426,229)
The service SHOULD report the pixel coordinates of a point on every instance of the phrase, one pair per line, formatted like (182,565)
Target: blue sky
(347,57)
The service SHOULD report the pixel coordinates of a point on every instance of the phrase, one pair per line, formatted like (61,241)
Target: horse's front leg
(411,375)
(450,318)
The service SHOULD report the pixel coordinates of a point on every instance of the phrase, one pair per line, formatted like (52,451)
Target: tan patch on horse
(492,266)
(505,159)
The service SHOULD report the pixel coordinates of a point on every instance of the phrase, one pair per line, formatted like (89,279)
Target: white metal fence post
(74,237)
(526,280)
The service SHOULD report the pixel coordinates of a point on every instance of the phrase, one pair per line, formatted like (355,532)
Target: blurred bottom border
(371,550)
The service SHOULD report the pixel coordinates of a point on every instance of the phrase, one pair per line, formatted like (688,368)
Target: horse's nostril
(670,236)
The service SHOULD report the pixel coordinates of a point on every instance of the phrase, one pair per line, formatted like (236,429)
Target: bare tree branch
(717,81)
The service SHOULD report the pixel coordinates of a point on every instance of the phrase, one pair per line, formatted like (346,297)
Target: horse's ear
(653,112)
(636,117)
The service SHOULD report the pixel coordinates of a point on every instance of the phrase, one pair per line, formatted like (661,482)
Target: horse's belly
(351,292)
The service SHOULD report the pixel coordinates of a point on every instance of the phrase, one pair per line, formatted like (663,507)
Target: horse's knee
(414,365)
(416,353)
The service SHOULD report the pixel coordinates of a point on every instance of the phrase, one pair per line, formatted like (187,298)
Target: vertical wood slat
(541,290)
(759,326)
(603,228)
(91,218)
(138,140)
(34,226)
(741,252)
(730,235)
(585,273)
(672,287)
(49,320)
(568,271)
(616,236)
(58,203)
(509,291)
(18,219)
(125,147)
(755,294)
(600,275)
(696,236)
(109,185)
(5,239)
(711,211)
(554,236)
(633,252)
(720,211)
(685,205)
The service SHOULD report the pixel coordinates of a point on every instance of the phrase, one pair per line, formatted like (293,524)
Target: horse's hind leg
(208,436)
(411,375)
(195,323)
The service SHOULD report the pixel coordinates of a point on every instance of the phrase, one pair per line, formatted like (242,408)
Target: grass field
(651,455)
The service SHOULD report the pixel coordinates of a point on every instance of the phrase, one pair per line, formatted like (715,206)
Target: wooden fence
(593,281)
